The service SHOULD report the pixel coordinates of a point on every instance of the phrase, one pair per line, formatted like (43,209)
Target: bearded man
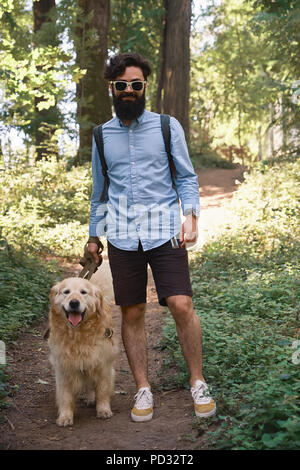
(140,216)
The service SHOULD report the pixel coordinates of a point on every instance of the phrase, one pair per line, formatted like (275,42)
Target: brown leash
(88,263)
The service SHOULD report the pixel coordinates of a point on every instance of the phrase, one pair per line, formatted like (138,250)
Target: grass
(24,291)
(246,292)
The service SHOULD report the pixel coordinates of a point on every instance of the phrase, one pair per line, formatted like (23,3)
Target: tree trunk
(41,9)
(162,61)
(284,124)
(176,66)
(93,103)
(272,129)
(259,143)
(45,119)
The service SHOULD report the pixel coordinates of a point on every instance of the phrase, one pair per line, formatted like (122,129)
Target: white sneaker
(204,405)
(143,407)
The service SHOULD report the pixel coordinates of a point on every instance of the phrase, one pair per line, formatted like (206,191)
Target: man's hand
(189,230)
(93,249)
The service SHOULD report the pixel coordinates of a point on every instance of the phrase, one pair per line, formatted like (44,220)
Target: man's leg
(129,272)
(189,333)
(170,270)
(135,343)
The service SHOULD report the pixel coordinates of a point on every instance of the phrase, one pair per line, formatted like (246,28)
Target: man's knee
(181,307)
(133,313)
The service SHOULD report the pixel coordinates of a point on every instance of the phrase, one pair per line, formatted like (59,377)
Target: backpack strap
(166,132)
(98,134)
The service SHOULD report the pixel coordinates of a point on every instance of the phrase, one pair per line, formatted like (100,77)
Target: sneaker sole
(206,415)
(139,419)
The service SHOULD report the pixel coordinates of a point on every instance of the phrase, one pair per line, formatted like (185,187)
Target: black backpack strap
(98,135)
(166,132)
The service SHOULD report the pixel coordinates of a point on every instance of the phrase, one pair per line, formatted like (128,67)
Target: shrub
(210,159)
(24,293)
(45,208)
(246,293)
(24,290)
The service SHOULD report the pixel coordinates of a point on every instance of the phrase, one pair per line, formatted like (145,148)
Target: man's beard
(127,110)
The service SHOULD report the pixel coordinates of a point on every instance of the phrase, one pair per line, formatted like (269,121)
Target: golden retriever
(82,347)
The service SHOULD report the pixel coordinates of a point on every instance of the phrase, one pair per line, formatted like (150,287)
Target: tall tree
(175,79)
(45,118)
(93,103)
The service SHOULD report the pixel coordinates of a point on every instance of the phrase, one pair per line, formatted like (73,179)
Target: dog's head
(76,299)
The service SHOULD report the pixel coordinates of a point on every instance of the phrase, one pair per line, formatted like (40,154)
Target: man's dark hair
(118,63)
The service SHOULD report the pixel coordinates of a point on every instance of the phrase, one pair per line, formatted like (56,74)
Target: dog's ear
(99,301)
(54,291)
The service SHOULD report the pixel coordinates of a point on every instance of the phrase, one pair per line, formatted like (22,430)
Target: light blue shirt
(140,203)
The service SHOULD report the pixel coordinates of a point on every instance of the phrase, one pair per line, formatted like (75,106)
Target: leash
(90,267)
(87,261)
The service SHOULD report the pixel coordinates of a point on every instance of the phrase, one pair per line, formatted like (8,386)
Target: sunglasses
(121,85)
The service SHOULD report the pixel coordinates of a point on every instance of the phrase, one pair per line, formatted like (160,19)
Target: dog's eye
(67,291)
(83,292)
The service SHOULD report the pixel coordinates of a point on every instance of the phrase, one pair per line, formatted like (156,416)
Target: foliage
(24,290)
(280,20)
(36,71)
(245,63)
(4,386)
(246,293)
(45,208)
(210,159)
(244,70)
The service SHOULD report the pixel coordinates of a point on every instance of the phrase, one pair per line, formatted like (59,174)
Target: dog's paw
(65,420)
(104,413)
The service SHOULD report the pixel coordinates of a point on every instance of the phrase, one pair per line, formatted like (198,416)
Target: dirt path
(29,423)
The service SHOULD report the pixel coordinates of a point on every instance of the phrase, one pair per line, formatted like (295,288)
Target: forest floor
(29,421)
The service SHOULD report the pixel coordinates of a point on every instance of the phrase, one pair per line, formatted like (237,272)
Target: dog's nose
(74,304)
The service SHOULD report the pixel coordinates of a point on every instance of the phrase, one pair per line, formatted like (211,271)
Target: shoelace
(199,392)
(143,398)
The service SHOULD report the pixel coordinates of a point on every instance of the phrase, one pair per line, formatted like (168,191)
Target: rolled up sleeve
(98,209)
(186,180)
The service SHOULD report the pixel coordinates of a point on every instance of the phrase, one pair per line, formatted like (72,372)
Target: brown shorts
(169,267)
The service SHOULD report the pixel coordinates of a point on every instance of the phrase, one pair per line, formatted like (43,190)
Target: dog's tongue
(74,318)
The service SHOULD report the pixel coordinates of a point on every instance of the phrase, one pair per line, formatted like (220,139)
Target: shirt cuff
(191,209)
(98,230)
